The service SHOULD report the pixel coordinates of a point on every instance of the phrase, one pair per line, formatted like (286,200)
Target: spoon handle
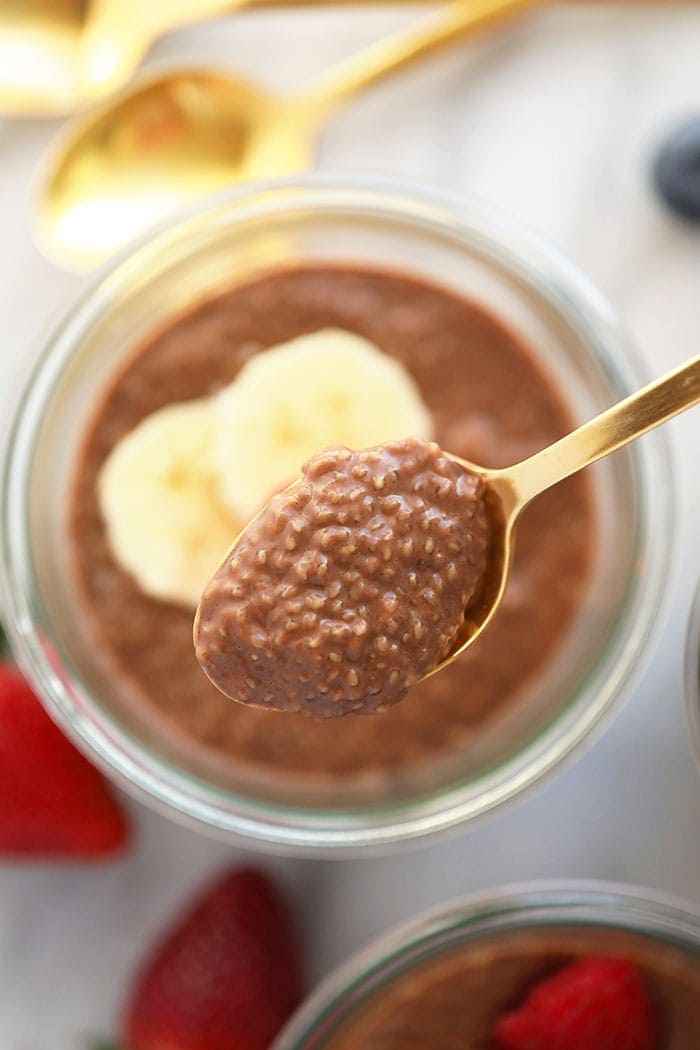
(117,34)
(629,419)
(438,29)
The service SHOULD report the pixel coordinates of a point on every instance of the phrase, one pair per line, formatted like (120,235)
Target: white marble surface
(554,120)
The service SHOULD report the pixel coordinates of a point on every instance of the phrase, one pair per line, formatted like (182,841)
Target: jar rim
(692,674)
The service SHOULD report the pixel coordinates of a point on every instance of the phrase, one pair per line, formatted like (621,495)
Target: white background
(556,121)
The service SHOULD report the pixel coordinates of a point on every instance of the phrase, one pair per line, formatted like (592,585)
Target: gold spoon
(510,490)
(180,135)
(56,55)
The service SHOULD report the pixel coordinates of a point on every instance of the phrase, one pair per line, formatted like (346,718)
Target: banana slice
(165,523)
(177,489)
(328,388)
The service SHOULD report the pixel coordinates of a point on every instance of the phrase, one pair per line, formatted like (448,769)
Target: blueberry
(677,170)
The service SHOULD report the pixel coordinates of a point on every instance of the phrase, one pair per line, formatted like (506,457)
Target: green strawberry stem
(4,647)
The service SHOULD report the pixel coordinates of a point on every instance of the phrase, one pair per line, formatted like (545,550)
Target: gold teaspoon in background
(55,55)
(176,137)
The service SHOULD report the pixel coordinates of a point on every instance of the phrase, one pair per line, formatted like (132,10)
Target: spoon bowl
(40,45)
(56,55)
(131,162)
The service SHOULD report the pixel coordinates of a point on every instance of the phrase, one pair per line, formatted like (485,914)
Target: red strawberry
(225,977)
(593,1004)
(53,803)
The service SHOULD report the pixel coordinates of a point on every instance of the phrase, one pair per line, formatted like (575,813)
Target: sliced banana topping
(287,403)
(176,491)
(165,522)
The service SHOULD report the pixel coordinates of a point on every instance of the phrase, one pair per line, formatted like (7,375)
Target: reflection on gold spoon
(237,623)
(181,135)
(55,55)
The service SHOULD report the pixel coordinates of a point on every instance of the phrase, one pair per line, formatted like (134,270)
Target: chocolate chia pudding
(350,586)
(491,401)
(455,1001)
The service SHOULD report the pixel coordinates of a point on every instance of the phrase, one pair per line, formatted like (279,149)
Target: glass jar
(558,910)
(462,244)
(692,675)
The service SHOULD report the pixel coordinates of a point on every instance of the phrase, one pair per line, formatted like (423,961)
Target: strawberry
(54,803)
(225,977)
(593,1004)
